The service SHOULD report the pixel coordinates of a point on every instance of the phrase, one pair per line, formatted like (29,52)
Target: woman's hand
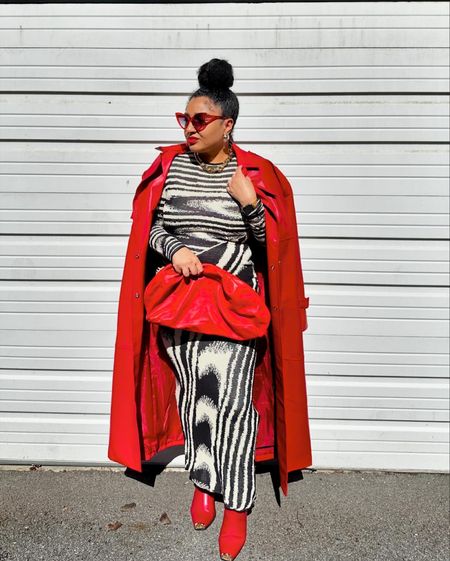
(241,188)
(186,261)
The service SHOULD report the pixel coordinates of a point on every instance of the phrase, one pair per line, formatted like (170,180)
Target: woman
(208,211)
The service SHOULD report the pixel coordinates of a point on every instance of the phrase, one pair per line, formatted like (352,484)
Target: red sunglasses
(199,120)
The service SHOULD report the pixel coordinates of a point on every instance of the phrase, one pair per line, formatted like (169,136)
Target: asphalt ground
(108,514)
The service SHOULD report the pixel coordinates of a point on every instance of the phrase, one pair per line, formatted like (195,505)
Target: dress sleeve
(160,239)
(257,221)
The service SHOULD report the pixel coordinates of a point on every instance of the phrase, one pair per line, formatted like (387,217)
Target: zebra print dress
(214,375)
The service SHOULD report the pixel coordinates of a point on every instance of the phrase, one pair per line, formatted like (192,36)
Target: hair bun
(217,74)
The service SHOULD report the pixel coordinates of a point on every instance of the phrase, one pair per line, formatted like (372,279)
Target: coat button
(275,308)
(272,267)
(136,294)
(137,256)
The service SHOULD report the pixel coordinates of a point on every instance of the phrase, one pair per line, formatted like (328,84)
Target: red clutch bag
(214,302)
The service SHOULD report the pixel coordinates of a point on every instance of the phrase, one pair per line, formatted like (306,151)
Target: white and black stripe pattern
(214,387)
(196,211)
(214,374)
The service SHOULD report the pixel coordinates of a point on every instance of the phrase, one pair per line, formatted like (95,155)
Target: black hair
(215,79)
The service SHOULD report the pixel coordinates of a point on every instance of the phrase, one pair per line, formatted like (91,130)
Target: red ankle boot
(203,509)
(233,533)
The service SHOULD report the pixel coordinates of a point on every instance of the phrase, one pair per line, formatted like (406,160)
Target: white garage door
(350,100)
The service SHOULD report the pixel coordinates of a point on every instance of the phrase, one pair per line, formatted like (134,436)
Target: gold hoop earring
(226,137)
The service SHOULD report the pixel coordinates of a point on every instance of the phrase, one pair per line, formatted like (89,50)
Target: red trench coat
(144,417)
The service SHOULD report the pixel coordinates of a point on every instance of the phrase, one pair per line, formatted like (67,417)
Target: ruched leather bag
(214,302)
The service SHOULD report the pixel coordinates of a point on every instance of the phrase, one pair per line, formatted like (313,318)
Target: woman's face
(210,139)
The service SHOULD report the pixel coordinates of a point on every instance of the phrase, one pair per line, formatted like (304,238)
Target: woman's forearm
(164,243)
(160,239)
(257,222)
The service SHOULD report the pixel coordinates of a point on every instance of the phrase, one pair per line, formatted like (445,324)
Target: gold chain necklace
(213,168)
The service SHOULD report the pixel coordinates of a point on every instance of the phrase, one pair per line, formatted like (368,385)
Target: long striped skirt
(214,386)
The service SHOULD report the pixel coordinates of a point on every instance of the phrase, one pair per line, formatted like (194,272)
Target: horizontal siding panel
(344,65)
(69,202)
(86,454)
(385,432)
(46,424)
(322,9)
(60,453)
(298,119)
(333,398)
(364,387)
(35,439)
(388,179)
(323,429)
(365,445)
(356,219)
(345,191)
(438,82)
(51,383)
(38,441)
(359,219)
(60,353)
(399,356)
(48,296)
(267,38)
(100,111)
(67,321)
(359,332)
(326,388)
(371,262)
(110,163)
(292,17)
(371,409)
(62,258)
(39,402)
(379,445)
(93,338)
(376,262)
(372,356)
(364,459)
